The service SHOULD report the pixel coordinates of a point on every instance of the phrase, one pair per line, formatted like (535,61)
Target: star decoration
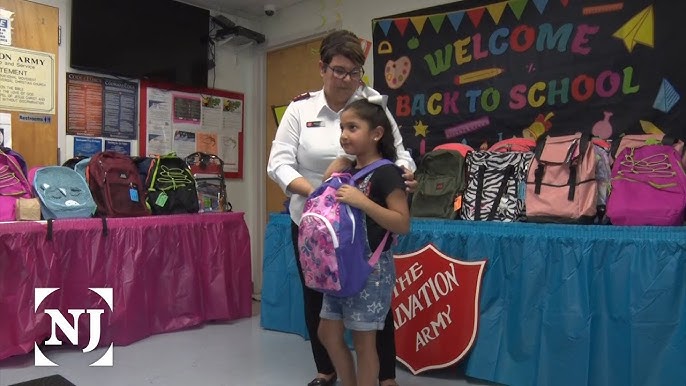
(420,129)
(374,307)
(364,295)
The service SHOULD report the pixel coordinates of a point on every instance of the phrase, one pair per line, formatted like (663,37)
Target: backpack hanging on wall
(440,182)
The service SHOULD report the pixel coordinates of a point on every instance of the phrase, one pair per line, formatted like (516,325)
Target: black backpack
(441,180)
(171,186)
(71,162)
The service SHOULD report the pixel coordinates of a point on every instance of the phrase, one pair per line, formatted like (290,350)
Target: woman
(305,145)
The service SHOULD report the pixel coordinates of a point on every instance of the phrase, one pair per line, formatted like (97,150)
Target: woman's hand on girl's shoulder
(410,183)
(338,165)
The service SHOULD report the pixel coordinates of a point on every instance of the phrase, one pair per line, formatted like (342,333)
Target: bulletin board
(184,120)
(478,71)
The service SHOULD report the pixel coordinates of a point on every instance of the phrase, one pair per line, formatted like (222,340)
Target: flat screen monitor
(158,40)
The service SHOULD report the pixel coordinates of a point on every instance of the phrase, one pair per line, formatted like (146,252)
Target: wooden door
(34,27)
(290,72)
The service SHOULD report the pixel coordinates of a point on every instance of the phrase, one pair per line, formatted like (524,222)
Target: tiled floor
(238,353)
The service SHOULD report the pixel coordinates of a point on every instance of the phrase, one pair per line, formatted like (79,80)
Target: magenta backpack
(13,186)
(648,187)
(332,239)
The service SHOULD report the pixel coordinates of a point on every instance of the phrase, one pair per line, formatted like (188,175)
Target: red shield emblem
(435,308)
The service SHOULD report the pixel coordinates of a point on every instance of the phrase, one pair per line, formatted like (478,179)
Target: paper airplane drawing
(638,30)
(666,97)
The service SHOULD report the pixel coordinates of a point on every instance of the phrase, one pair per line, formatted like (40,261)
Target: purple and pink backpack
(648,187)
(332,239)
(13,185)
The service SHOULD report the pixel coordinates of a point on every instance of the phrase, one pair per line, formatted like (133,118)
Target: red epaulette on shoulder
(301,97)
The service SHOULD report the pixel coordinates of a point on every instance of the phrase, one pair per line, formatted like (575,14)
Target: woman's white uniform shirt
(308,140)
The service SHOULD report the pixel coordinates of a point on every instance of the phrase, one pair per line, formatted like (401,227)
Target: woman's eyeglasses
(341,73)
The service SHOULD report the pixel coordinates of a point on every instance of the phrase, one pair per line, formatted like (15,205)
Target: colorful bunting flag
(437,21)
(456,19)
(540,5)
(496,11)
(418,22)
(475,15)
(385,26)
(517,7)
(401,24)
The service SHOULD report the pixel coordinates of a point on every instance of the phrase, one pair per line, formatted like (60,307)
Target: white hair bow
(379,100)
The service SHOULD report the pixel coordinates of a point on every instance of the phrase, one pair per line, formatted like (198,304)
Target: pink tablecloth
(167,273)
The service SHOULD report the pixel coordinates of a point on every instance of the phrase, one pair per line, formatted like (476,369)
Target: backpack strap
(509,173)
(377,253)
(366,170)
(370,168)
(479,191)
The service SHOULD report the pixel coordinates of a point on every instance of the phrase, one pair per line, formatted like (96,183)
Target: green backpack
(171,186)
(441,179)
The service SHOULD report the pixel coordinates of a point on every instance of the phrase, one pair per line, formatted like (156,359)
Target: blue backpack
(63,193)
(80,167)
(332,239)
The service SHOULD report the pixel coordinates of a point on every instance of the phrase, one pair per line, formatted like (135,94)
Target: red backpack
(116,185)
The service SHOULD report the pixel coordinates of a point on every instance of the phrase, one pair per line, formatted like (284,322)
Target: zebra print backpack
(496,182)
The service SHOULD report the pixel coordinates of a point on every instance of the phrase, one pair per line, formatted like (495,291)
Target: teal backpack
(63,193)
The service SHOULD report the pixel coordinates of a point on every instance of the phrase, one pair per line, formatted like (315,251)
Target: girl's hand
(351,196)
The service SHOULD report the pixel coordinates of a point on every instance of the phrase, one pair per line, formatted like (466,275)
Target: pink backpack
(561,184)
(648,187)
(455,146)
(332,238)
(638,140)
(13,186)
(514,144)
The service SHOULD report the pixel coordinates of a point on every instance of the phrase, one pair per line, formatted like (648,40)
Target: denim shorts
(367,310)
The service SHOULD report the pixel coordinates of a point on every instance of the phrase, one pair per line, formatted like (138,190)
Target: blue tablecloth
(560,304)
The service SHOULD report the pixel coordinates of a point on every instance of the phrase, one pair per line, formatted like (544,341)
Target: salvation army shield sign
(435,308)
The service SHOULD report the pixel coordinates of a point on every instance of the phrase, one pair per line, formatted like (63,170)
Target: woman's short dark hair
(343,43)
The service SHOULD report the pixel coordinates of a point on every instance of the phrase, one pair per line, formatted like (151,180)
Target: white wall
(243,70)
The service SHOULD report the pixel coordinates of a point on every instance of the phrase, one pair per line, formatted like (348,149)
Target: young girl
(366,133)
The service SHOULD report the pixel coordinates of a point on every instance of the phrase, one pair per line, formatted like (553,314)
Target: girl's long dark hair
(375,116)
